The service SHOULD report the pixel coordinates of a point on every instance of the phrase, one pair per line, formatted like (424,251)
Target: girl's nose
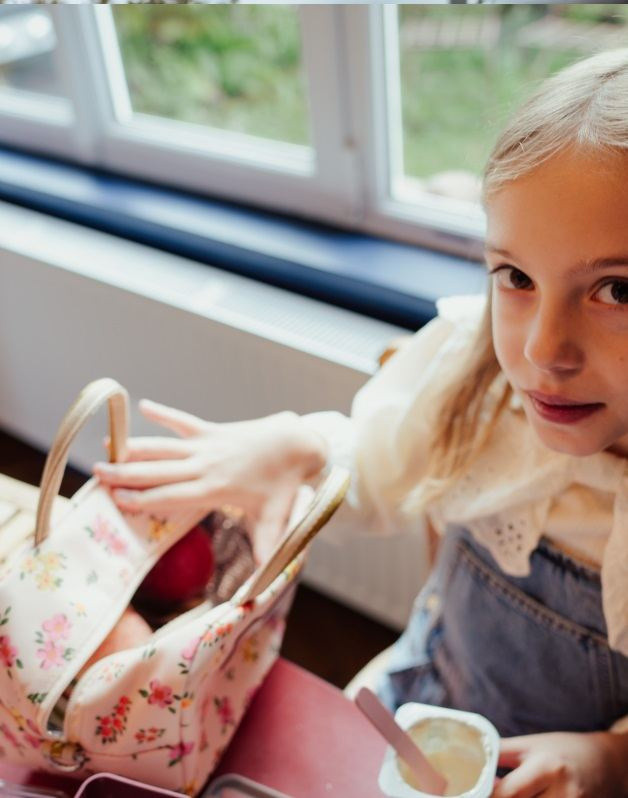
(551,345)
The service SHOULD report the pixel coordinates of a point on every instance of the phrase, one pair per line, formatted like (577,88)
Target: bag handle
(90,399)
(327,499)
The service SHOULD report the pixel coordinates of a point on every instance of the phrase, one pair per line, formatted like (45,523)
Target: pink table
(303,737)
(300,736)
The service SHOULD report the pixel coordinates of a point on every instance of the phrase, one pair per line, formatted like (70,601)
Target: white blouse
(517,485)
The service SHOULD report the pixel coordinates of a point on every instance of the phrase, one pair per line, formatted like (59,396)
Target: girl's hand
(564,765)
(255,465)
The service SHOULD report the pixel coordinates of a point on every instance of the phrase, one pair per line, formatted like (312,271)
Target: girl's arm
(258,465)
(562,765)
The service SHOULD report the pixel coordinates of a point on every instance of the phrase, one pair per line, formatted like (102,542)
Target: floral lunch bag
(161,712)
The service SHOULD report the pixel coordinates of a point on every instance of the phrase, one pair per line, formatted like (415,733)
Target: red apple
(180,574)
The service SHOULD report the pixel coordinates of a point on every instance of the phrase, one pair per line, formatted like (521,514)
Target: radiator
(77,304)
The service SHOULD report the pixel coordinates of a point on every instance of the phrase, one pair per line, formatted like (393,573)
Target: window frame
(350,103)
(28,118)
(435,222)
(274,175)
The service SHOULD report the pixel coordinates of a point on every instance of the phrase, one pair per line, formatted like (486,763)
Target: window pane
(464,68)
(27,46)
(236,68)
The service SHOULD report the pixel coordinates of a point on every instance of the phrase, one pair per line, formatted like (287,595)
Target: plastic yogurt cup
(463,746)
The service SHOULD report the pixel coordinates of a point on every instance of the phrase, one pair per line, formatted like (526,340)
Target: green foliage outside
(233,67)
(239,68)
(456,100)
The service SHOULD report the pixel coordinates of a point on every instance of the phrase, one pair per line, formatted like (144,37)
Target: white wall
(77,304)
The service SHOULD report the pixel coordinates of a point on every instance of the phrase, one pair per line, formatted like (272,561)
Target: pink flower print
(177,752)
(58,627)
(190,650)
(224,710)
(102,529)
(160,694)
(51,655)
(117,545)
(7,652)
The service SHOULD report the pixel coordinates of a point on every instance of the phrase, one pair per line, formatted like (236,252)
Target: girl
(504,424)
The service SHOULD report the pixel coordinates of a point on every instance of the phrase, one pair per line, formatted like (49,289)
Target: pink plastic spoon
(429,779)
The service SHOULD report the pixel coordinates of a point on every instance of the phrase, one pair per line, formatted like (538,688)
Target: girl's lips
(563,413)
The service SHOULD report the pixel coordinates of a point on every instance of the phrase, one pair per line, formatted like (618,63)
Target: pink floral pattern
(160,694)
(58,627)
(177,752)
(53,653)
(110,727)
(164,697)
(190,650)
(104,532)
(187,655)
(224,710)
(8,654)
(50,630)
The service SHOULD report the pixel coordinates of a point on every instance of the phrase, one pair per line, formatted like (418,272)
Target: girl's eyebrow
(582,267)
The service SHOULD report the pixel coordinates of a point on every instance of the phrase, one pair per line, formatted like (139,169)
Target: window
(461,70)
(27,46)
(32,91)
(454,75)
(237,69)
(376,117)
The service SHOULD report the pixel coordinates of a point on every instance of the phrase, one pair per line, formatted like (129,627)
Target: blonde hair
(585,105)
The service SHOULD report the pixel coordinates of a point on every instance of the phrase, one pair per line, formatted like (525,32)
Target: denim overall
(529,653)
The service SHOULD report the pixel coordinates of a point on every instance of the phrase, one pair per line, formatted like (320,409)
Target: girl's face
(557,250)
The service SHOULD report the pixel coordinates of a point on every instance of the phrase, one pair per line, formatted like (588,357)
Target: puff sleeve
(384,442)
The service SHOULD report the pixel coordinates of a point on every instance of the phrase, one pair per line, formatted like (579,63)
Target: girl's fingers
(155,448)
(147,474)
(163,499)
(184,424)
(529,780)
(511,752)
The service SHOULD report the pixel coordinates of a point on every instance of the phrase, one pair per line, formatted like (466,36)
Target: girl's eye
(614,292)
(510,277)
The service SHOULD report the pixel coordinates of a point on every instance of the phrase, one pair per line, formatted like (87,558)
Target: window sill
(383,279)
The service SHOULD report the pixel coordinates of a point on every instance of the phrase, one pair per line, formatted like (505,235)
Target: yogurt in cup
(463,746)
